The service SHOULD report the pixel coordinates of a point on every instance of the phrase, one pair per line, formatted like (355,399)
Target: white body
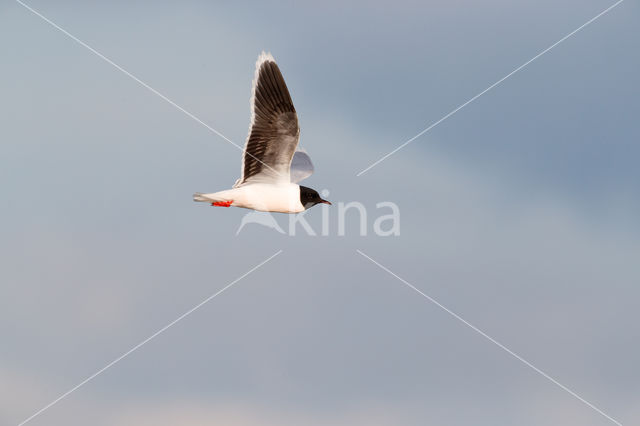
(271,163)
(267,197)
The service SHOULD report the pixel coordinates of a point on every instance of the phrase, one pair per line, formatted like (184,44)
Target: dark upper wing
(274,131)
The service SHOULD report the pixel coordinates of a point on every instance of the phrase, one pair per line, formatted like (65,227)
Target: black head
(310,197)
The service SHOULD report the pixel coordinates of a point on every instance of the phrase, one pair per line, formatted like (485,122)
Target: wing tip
(264,57)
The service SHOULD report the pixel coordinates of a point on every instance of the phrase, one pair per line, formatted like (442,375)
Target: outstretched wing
(274,131)
(301,166)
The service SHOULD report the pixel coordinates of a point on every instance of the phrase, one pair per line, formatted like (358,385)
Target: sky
(519,213)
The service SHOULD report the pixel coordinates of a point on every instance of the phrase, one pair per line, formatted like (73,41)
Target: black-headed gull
(272,165)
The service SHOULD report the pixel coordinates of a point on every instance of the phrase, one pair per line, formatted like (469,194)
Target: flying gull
(272,163)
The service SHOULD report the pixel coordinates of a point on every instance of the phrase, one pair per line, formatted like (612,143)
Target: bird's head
(310,197)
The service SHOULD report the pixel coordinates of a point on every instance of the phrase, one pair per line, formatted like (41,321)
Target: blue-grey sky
(519,213)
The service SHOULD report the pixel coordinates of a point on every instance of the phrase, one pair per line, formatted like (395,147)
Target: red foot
(222,203)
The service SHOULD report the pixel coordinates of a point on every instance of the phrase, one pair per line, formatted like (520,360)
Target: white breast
(282,198)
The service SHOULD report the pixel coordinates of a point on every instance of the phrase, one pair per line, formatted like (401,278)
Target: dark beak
(325,201)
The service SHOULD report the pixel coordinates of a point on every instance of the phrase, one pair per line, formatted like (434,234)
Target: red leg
(222,203)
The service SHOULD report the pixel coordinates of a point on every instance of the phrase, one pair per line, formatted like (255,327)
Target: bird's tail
(199,196)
